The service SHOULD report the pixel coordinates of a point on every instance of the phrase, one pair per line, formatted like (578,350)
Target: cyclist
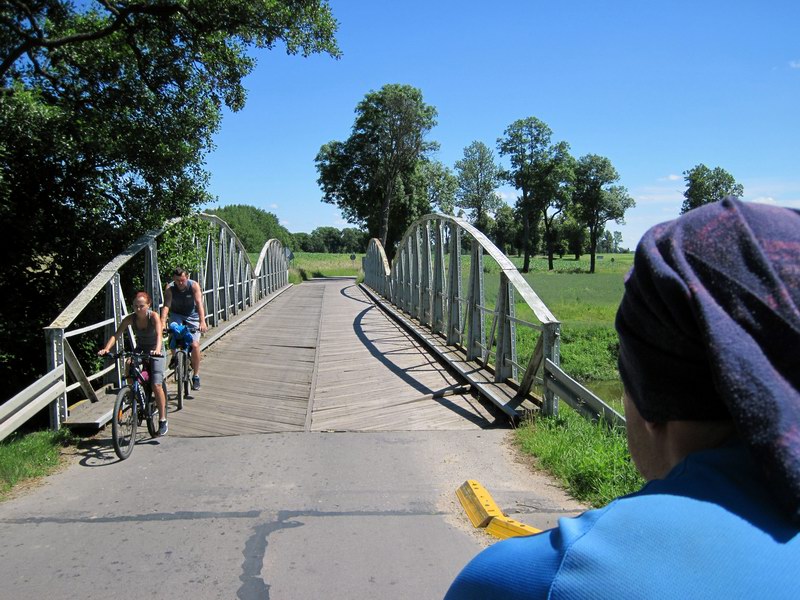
(146,325)
(183,303)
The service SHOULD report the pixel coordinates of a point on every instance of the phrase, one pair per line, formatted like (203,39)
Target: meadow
(307,265)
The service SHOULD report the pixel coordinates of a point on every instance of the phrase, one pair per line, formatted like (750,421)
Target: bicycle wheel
(180,367)
(124,422)
(152,413)
(187,378)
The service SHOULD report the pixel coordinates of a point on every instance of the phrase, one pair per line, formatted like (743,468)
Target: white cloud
(273,205)
(284,222)
(670,177)
(508,195)
(765,200)
(794,64)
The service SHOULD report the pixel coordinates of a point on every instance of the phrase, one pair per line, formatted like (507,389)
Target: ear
(654,428)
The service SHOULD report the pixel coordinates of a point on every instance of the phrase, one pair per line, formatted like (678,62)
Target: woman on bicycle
(146,325)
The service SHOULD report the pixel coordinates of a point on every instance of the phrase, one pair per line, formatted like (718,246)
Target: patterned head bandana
(709,328)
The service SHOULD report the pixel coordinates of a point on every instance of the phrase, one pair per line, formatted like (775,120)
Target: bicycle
(135,403)
(181,341)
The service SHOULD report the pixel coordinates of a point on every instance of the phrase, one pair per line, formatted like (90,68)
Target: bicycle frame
(183,358)
(135,400)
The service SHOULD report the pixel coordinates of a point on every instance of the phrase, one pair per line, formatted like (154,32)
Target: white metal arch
(426,282)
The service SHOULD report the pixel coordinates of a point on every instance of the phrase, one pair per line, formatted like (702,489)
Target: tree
(574,234)
(617,245)
(704,185)
(328,238)
(374,176)
(354,240)
(595,201)
(606,242)
(107,110)
(541,171)
(506,229)
(441,185)
(552,190)
(253,226)
(302,242)
(478,178)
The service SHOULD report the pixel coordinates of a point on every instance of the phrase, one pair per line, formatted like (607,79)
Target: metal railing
(427,282)
(231,284)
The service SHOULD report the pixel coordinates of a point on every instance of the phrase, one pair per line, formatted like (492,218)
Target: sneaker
(196,382)
(163,428)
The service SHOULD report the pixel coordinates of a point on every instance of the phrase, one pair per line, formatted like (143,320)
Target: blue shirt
(710,529)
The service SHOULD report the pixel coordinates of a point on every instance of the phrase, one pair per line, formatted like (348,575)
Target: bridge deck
(323,357)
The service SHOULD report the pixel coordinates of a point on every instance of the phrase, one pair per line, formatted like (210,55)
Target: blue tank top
(183,300)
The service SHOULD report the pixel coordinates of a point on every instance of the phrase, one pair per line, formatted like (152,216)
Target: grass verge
(24,457)
(591,460)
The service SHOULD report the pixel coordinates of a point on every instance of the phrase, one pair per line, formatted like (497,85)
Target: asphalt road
(279,516)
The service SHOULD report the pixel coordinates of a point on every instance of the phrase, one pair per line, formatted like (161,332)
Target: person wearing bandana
(709,330)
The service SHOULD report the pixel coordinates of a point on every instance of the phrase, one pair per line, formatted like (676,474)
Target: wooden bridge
(433,342)
(322,357)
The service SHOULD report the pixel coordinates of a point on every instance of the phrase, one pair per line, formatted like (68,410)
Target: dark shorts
(156,369)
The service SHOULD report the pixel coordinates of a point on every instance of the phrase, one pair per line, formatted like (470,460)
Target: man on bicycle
(183,303)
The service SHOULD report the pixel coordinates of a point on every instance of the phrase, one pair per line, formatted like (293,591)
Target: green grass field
(307,265)
(585,304)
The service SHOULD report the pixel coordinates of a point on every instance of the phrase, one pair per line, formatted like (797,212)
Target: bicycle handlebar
(139,353)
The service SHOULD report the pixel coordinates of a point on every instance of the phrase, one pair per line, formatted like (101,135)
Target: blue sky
(657,87)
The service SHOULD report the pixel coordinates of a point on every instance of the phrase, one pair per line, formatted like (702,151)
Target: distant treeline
(255,226)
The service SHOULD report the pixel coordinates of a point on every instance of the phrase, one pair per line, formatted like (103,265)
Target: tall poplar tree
(478,178)
(596,201)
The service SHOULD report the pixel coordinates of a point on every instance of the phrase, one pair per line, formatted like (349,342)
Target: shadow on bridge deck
(323,357)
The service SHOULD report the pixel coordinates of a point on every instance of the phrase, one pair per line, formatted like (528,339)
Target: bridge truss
(461,291)
(232,286)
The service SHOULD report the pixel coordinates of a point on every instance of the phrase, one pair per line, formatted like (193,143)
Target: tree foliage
(478,177)
(177,246)
(254,226)
(704,185)
(441,185)
(596,201)
(375,176)
(107,110)
(329,239)
(506,229)
(542,171)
